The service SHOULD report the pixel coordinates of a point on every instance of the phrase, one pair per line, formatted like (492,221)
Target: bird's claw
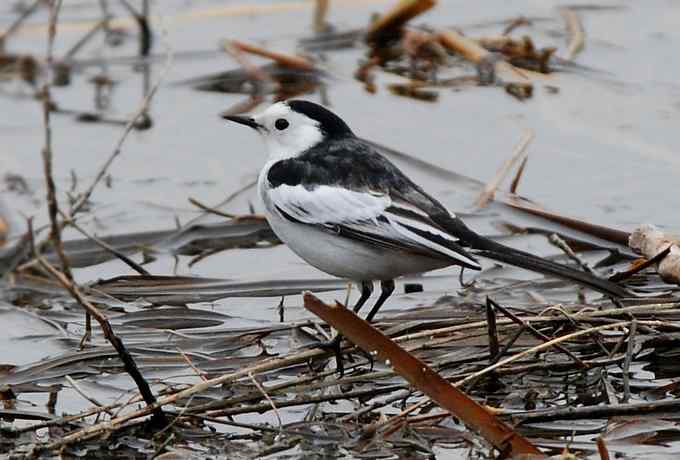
(334,345)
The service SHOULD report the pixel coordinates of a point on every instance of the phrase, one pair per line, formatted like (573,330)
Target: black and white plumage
(347,210)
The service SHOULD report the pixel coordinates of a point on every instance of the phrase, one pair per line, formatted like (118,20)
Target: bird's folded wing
(370,217)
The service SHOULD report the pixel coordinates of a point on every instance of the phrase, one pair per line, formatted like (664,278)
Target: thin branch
(106,246)
(125,356)
(536,333)
(52,203)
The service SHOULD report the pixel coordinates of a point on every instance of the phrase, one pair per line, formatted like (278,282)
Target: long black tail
(490,249)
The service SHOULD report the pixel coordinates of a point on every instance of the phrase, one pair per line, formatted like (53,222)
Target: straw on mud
(575,33)
(421,376)
(518,153)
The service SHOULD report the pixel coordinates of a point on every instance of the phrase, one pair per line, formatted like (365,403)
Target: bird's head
(289,128)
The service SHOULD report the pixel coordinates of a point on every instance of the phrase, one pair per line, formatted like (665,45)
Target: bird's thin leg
(334,344)
(366,291)
(462,282)
(387,290)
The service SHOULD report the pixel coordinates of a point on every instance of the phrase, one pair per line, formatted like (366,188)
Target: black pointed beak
(247,121)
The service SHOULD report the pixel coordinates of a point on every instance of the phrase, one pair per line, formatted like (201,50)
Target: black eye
(281,124)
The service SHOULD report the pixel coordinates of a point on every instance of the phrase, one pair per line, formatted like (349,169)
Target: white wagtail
(348,211)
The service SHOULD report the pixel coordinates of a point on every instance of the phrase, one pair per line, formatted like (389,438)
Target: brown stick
(288,60)
(637,268)
(421,376)
(602,449)
(389,25)
(475,53)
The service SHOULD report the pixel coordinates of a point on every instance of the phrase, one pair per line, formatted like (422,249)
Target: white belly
(343,257)
(347,258)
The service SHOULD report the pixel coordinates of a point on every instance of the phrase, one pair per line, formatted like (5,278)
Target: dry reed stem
(475,53)
(577,41)
(320,13)
(286,60)
(518,154)
(389,25)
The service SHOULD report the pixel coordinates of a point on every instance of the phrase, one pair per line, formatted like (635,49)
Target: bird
(345,209)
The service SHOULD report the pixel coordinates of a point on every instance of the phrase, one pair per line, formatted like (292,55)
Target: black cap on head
(331,124)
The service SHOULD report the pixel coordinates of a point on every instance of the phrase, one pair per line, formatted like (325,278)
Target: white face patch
(287,133)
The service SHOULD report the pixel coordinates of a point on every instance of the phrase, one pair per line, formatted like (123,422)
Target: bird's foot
(335,346)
